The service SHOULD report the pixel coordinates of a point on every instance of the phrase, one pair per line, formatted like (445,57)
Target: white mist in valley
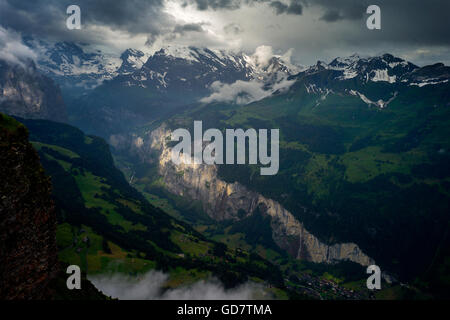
(151,286)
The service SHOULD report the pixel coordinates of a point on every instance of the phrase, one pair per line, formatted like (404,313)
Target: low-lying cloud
(13,50)
(262,55)
(150,286)
(244,92)
(240,92)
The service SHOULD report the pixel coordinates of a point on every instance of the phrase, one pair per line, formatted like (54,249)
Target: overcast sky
(316,29)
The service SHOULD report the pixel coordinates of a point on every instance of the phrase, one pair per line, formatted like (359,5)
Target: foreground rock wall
(28,253)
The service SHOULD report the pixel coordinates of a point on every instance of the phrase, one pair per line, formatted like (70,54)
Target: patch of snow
(382,75)
(427,82)
(181,52)
(348,74)
(380,103)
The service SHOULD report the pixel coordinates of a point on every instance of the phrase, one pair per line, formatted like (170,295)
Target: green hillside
(106,226)
(375,176)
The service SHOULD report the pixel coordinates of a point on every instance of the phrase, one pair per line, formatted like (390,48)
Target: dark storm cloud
(48,17)
(407,21)
(344,9)
(217,4)
(331,16)
(190,27)
(302,24)
(281,7)
(294,7)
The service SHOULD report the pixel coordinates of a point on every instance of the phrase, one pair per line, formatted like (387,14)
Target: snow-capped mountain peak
(199,55)
(74,65)
(132,60)
(385,68)
(78,67)
(265,64)
(189,67)
(345,62)
(179,52)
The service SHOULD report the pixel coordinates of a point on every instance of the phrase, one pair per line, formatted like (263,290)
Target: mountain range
(108,95)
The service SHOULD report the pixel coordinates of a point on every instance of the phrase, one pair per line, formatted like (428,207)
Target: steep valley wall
(222,201)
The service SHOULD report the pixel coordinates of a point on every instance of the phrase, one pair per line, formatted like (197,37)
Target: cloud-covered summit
(12,50)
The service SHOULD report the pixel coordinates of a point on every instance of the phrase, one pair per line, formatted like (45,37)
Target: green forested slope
(105,225)
(379,177)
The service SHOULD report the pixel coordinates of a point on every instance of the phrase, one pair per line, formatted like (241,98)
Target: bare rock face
(222,201)
(28,253)
(24,92)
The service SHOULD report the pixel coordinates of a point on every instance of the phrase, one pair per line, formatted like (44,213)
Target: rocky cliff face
(24,92)
(28,253)
(222,200)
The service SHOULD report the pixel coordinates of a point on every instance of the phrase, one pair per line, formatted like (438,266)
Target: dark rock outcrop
(28,252)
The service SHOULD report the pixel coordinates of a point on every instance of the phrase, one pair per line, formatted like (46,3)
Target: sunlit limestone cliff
(223,201)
